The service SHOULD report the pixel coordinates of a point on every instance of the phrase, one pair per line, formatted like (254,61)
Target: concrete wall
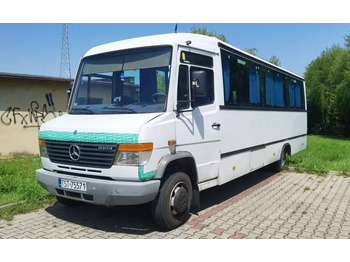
(25,103)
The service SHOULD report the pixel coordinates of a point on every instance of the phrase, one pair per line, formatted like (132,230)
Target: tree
(347,41)
(252,51)
(275,60)
(204,31)
(328,87)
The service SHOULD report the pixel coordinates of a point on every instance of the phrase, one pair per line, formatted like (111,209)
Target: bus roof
(198,41)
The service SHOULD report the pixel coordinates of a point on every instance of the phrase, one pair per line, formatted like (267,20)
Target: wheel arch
(288,148)
(181,161)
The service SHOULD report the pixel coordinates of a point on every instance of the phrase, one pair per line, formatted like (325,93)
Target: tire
(280,165)
(171,208)
(68,202)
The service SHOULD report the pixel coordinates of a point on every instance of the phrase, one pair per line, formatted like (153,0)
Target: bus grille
(90,154)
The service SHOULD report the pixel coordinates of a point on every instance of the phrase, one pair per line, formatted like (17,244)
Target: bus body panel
(243,129)
(252,139)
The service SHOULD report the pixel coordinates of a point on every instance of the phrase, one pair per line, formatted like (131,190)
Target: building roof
(34,77)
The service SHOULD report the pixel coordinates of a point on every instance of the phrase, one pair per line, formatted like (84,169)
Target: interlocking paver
(283,230)
(275,206)
(305,235)
(278,235)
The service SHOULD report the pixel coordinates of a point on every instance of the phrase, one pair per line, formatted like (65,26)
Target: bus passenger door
(197,121)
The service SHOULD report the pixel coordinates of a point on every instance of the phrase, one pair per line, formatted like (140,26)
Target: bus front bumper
(100,192)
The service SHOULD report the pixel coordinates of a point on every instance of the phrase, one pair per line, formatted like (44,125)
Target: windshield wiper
(120,109)
(81,110)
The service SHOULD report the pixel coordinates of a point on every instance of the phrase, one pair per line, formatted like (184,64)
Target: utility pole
(65,60)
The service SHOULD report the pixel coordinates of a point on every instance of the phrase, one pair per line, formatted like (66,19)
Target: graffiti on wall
(35,115)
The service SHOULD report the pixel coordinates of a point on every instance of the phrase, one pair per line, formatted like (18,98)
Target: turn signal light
(135,147)
(42,148)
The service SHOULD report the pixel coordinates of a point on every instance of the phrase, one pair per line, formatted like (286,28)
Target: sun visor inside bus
(135,60)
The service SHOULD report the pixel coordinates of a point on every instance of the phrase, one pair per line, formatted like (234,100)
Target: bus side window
(295,94)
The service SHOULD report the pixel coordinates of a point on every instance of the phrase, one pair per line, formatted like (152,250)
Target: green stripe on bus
(146,176)
(116,138)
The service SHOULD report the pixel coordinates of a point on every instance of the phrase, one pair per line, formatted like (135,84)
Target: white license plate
(70,184)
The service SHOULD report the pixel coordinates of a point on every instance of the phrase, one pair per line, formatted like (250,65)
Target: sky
(35,48)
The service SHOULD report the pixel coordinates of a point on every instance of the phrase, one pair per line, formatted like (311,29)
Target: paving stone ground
(260,205)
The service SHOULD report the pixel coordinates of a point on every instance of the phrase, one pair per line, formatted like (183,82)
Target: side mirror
(199,83)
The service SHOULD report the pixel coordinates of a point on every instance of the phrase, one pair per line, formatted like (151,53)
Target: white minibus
(160,118)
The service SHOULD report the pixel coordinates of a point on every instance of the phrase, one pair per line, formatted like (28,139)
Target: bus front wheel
(171,208)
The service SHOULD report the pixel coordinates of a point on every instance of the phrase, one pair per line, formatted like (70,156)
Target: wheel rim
(178,199)
(283,160)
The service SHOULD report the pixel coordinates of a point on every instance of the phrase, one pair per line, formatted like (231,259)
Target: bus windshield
(124,82)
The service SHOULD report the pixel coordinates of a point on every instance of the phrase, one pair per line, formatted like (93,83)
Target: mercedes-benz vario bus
(160,118)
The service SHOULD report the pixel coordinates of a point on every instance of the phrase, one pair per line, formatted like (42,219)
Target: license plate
(70,184)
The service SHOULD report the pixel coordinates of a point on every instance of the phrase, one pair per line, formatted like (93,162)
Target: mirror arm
(178,110)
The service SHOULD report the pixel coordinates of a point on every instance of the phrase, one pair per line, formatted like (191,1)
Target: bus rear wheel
(172,206)
(280,165)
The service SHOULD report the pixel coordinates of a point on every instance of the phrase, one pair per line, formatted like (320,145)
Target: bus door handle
(215,125)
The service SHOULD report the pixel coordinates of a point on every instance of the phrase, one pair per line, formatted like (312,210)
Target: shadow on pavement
(138,219)
(219,194)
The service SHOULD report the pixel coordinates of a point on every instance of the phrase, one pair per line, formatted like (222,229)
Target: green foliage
(347,41)
(18,185)
(323,154)
(160,83)
(204,31)
(252,51)
(328,91)
(275,60)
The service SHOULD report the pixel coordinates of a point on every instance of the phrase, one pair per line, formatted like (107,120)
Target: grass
(323,154)
(18,185)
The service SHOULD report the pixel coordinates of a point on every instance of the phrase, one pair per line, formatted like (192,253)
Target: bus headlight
(42,148)
(133,154)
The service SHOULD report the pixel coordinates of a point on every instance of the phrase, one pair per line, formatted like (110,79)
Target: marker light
(172,146)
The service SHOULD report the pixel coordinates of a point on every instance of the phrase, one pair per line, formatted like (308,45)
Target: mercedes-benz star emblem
(74,152)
